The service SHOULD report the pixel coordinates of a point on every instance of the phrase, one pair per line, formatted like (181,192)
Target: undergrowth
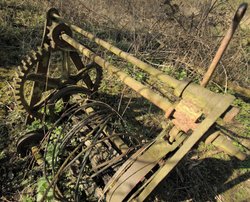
(179,38)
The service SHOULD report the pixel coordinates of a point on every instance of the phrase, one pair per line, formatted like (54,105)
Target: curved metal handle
(240,12)
(235,22)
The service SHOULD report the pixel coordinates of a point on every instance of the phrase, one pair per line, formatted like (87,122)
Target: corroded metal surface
(143,90)
(224,143)
(139,171)
(128,57)
(224,44)
(115,171)
(187,145)
(34,84)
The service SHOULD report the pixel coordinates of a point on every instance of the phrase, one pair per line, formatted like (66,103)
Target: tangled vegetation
(177,37)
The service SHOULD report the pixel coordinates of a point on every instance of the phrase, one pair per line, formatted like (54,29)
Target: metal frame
(197,113)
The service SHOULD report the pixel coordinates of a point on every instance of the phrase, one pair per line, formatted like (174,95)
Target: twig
(226,78)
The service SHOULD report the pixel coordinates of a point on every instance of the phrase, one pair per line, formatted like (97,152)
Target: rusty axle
(122,169)
(143,90)
(128,57)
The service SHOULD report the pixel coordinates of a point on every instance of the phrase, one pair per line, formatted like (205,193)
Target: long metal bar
(224,44)
(126,56)
(143,90)
(218,110)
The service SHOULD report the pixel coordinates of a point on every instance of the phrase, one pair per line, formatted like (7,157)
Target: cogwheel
(89,76)
(49,35)
(54,33)
(28,65)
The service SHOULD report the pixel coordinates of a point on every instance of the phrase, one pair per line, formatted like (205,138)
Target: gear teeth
(20,72)
(22,69)
(29,60)
(34,55)
(24,63)
(25,68)
(17,93)
(50,28)
(19,102)
(49,35)
(46,46)
(18,80)
(28,65)
(18,85)
(53,44)
(39,51)
(18,98)
(17,75)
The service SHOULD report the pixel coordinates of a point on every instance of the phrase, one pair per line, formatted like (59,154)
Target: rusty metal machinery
(104,163)
(35,79)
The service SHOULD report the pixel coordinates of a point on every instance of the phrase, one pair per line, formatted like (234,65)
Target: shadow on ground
(204,180)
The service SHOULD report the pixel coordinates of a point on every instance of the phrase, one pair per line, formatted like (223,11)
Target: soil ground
(206,174)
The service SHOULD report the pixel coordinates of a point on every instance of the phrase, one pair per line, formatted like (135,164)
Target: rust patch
(183,122)
(186,115)
(229,116)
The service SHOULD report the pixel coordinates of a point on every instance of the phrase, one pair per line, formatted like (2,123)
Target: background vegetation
(175,36)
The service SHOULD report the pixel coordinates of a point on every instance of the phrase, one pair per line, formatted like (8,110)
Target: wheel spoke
(80,66)
(41,78)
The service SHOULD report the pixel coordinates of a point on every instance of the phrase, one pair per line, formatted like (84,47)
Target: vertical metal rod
(224,44)
(65,66)
(143,90)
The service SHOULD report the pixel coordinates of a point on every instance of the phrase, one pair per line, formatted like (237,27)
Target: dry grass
(178,37)
(171,35)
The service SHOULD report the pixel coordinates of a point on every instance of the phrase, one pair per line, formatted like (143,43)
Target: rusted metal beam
(195,114)
(42,67)
(222,142)
(141,166)
(172,82)
(218,110)
(143,90)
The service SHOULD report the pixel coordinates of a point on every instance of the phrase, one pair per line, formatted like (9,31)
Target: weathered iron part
(23,76)
(35,69)
(224,43)
(209,105)
(186,90)
(128,57)
(54,86)
(218,110)
(154,72)
(93,153)
(143,90)
(231,114)
(139,169)
(222,142)
(196,113)
(202,97)
(29,140)
(41,67)
(123,186)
